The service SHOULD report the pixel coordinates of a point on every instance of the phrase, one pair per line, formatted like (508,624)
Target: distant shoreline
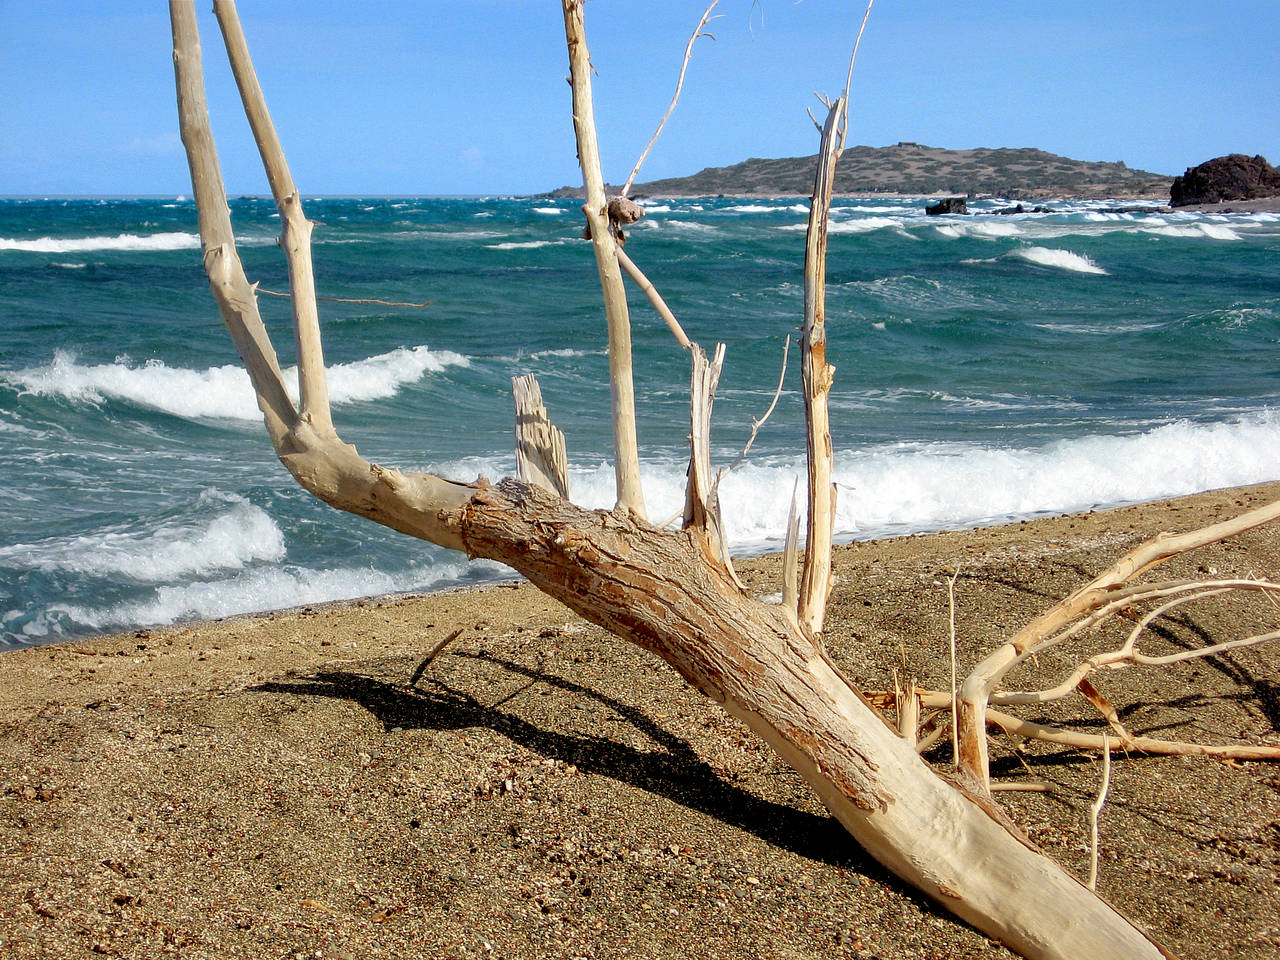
(1160,204)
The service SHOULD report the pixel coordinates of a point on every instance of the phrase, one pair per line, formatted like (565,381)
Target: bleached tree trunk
(667,592)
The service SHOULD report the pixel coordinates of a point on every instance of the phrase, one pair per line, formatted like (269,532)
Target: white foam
(236,535)
(996,229)
(564,352)
(887,208)
(1060,259)
(525,244)
(980,229)
(689,226)
(910,487)
(1194,231)
(383,375)
(220,392)
(883,490)
(122,241)
(548,211)
(265,588)
(863,225)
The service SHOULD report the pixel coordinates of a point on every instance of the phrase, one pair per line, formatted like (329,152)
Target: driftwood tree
(674,592)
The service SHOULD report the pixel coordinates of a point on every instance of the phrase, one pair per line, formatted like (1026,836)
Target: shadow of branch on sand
(674,770)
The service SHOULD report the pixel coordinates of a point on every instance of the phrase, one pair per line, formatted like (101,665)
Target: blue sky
(468,96)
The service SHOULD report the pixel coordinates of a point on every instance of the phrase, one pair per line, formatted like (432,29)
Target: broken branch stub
(702,500)
(540,446)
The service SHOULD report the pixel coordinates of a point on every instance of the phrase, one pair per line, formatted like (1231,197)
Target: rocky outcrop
(949,205)
(1233,177)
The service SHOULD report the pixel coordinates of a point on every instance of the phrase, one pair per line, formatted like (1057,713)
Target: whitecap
(122,241)
(689,226)
(863,225)
(525,244)
(222,392)
(1194,231)
(236,535)
(1060,259)
(263,588)
(1005,229)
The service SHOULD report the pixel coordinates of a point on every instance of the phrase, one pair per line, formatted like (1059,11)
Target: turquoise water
(988,367)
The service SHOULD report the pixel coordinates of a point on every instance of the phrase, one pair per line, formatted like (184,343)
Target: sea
(989,367)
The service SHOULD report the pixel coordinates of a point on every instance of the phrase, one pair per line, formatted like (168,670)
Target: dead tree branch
(848,81)
(617,316)
(295,228)
(817,376)
(698,31)
(655,299)
(1067,618)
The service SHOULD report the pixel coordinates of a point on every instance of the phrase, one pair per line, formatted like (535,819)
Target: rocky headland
(915,169)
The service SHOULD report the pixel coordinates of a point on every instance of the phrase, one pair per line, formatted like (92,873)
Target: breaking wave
(219,392)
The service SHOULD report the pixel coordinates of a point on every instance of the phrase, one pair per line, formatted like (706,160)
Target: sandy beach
(277,785)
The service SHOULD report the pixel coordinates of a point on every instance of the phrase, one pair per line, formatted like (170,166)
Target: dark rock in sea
(1010,211)
(949,205)
(1233,177)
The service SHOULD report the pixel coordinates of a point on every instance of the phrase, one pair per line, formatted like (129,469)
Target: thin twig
(385,303)
(757,424)
(1128,653)
(951,606)
(1017,786)
(1095,809)
(688,54)
(848,83)
(1027,729)
(435,652)
(932,737)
